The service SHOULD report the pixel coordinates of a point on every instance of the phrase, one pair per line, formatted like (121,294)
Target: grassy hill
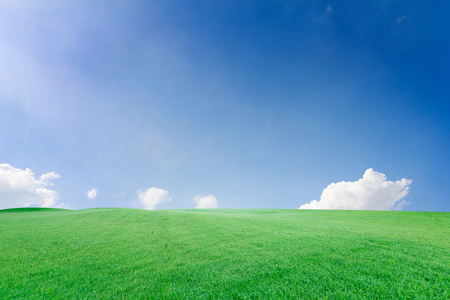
(223,254)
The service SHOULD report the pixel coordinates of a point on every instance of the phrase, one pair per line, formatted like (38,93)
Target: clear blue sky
(262,104)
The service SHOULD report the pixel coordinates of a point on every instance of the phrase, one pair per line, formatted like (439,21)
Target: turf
(223,254)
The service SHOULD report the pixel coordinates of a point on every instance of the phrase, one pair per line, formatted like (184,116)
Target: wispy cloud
(91,194)
(400,19)
(329,9)
(153,196)
(206,201)
(372,192)
(21,188)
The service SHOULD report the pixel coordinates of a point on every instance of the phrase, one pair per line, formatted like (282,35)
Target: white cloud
(63,206)
(372,192)
(21,188)
(329,9)
(206,201)
(153,196)
(91,194)
(400,19)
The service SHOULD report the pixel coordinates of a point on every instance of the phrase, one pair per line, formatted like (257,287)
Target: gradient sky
(262,104)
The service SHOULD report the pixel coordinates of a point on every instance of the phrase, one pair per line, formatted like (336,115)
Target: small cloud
(21,188)
(400,19)
(153,196)
(372,192)
(118,195)
(206,201)
(329,9)
(91,194)
(63,206)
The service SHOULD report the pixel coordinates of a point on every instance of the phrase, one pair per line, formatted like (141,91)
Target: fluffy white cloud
(91,194)
(153,196)
(21,188)
(206,201)
(372,192)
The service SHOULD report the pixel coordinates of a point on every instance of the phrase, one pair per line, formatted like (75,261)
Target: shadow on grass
(32,209)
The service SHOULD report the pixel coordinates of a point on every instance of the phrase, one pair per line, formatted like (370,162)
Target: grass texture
(114,253)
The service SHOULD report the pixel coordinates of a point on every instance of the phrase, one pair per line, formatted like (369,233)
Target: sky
(228,104)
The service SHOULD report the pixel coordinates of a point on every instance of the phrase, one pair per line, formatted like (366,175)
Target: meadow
(116,253)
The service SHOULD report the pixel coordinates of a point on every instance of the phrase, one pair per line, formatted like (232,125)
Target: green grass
(223,254)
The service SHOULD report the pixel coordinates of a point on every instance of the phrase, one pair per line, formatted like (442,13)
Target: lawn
(116,253)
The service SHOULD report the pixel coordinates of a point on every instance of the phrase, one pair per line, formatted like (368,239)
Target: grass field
(223,254)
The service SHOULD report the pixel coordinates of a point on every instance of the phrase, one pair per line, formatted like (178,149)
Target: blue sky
(262,104)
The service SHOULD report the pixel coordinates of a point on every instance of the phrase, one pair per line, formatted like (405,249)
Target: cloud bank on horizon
(372,192)
(21,188)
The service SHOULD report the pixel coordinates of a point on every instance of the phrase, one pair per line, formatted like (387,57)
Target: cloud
(329,9)
(400,19)
(206,201)
(372,192)
(63,206)
(91,194)
(153,196)
(21,188)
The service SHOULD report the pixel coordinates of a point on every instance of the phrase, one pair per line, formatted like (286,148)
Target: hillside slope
(114,253)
